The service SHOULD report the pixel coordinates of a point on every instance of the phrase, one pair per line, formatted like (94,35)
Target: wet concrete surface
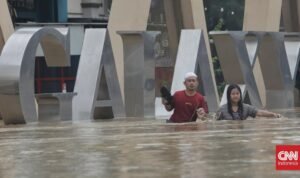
(146,148)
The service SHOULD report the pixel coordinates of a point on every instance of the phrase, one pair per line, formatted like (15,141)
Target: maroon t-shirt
(185,106)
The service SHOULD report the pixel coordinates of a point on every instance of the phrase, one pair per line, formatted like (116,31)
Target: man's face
(191,83)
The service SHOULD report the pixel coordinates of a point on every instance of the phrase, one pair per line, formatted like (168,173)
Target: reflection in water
(146,148)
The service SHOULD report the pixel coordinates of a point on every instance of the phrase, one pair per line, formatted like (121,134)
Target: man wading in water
(188,104)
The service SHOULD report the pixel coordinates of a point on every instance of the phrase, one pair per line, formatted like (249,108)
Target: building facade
(167,16)
(75,14)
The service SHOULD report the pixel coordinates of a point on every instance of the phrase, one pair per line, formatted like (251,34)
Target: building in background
(39,10)
(81,14)
(75,14)
(61,11)
(89,10)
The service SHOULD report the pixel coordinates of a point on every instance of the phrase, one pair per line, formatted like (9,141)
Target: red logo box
(287,157)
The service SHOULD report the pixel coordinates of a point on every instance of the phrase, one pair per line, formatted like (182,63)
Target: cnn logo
(288,155)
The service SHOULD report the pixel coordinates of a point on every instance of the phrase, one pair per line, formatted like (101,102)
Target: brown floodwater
(146,148)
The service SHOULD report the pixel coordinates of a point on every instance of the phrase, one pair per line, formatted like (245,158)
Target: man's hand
(201,113)
(165,103)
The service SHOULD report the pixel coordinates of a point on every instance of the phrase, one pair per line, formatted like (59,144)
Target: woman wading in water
(235,109)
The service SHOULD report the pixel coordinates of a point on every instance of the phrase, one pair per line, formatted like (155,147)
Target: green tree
(223,15)
(231,11)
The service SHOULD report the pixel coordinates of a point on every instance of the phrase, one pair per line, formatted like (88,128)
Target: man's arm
(201,114)
(202,111)
(204,105)
(168,107)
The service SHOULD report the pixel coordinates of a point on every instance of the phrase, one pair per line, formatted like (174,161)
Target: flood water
(146,148)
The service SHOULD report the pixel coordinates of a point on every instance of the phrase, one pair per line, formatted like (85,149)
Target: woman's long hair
(240,103)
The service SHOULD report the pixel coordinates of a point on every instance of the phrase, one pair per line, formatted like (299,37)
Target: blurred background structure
(167,16)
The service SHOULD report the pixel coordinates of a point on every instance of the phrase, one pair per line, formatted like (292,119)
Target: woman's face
(235,95)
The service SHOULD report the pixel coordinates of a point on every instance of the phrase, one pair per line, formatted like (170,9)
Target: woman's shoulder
(222,113)
(245,105)
(223,107)
(249,108)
